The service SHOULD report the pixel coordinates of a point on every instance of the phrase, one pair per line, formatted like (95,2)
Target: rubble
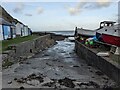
(99,73)
(66,82)
(90,83)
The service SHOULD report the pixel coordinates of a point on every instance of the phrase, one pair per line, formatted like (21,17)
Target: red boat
(110,39)
(109,33)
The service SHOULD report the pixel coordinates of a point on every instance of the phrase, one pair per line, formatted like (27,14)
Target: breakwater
(56,37)
(27,49)
(109,68)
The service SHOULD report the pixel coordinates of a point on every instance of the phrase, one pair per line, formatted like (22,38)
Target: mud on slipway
(56,67)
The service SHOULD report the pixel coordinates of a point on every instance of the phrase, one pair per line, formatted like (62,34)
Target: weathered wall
(27,49)
(109,68)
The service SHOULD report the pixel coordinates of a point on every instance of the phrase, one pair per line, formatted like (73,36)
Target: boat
(109,33)
(85,32)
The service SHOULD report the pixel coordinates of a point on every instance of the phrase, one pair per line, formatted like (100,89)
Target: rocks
(48,64)
(89,84)
(27,63)
(36,77)
(49,84)
(21,80)
(66,82)
(32,79)
(105,78)
(94,84)
(9,82)
(107,87)
(91,71)
(99,73)
(75,66)
(61,66)
(21,88)
(89,68)
(32,76)
(15,79)
(89,65)
(33,82)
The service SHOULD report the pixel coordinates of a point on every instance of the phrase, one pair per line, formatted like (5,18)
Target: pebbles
(67,82)
(32,79)
(21,80)
(9,82)
(33,82)
(48,64)
(99,73)
(21,88)
(49,84)
(75,66)
(89,84)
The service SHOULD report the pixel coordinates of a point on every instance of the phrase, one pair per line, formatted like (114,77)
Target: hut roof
(5,15)
(4,22)
(16,21)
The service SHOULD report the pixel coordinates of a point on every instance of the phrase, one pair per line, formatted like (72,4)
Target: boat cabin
(106,23)
(109,33)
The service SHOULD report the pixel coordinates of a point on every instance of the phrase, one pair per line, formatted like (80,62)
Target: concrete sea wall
(27,49)
(105,65)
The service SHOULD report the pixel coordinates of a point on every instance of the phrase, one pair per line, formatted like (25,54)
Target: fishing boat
(109,33)
(86,32)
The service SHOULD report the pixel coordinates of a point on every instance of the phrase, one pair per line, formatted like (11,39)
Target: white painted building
(13,28)
(5,29)
(1,33)
(26,32)
(19,29)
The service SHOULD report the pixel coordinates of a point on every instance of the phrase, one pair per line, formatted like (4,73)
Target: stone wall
(105,65)
(27,49)
(53,36)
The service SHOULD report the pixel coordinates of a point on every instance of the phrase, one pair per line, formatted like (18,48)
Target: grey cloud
(97,5)
(40,10)
(19,8)
(88,6)
(77,9)
(28,14)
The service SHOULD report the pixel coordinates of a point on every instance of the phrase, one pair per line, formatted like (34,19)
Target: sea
(65,33)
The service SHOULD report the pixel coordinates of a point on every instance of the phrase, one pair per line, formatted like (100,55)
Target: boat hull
(110,39)
(99,36)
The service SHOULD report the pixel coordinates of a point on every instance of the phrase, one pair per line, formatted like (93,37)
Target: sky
(62,15)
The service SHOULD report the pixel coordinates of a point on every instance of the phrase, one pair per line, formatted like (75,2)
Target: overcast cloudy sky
(62,15)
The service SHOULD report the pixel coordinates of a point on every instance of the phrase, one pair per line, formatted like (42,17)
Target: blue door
(7,32)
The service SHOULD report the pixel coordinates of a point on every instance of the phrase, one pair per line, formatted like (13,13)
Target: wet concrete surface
(56,67)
